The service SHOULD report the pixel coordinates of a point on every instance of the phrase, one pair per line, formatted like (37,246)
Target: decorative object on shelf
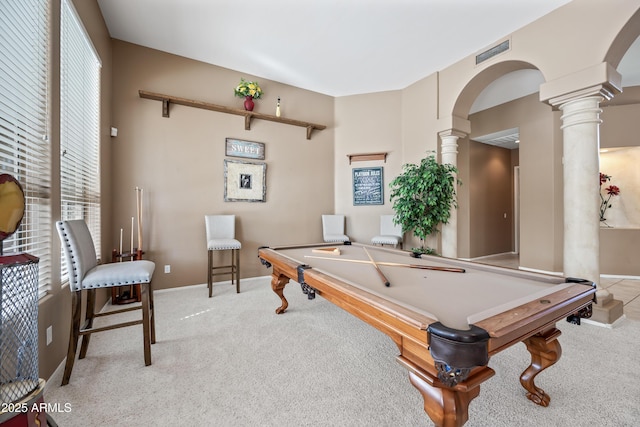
(423,196)
(368,186)
(245,181)
(278,108)
(248,149)
(249,91)
(248,103)
(612,190)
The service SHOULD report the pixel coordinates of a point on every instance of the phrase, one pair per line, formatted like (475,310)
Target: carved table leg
(278,282)
(545,351)
(446,407)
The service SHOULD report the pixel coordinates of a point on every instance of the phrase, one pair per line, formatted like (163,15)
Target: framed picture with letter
(245,181)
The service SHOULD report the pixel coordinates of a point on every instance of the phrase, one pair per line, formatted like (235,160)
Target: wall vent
(490,53)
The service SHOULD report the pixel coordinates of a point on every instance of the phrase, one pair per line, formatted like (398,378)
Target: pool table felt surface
(457,300)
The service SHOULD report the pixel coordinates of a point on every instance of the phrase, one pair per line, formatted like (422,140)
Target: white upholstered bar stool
(390,233)
(85,274)
(221,233)
(333,229)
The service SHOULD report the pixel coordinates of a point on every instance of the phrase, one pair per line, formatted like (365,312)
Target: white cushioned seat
(223,244)
(119,274)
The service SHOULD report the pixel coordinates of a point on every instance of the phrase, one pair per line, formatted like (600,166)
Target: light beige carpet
(231,361)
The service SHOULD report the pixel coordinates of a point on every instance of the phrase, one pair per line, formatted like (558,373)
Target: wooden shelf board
(367,156)
(248,115)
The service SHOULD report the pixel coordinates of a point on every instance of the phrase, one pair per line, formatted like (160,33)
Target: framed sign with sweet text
(248,149)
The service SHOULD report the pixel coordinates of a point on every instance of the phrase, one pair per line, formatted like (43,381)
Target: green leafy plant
(422,197)
(246,88)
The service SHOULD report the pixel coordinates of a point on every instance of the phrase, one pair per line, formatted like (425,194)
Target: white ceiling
(334,47)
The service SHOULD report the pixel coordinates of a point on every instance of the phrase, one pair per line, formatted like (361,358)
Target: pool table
(447,316)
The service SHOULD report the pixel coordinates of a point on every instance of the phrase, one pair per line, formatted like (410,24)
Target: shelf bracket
(309,130)
(247,122)
(165,108)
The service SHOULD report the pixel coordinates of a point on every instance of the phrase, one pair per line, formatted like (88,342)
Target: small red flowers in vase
(609,192)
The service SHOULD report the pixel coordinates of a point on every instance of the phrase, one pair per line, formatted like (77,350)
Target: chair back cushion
(220,226)
(388,228)
(78,249)
(333,224)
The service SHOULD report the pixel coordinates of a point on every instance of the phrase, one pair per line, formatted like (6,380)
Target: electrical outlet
(167,268)
(49,335)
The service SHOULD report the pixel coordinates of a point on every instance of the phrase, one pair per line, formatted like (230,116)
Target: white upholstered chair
(85,274)
(221,233)
(333,228)
(390,233)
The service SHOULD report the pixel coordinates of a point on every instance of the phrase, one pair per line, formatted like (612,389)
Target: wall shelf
(248,115)
(367,156)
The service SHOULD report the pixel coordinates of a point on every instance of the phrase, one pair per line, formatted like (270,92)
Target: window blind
(79,125)
(24,147)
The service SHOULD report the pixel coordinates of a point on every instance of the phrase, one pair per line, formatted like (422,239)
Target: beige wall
(540,155)
(491,200)
(179,162)
(366,124)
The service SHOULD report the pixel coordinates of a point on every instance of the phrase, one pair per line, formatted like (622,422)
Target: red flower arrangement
(612,190)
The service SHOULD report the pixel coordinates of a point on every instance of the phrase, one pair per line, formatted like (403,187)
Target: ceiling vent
(490,53)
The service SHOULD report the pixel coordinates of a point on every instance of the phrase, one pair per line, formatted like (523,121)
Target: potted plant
(249,91)
(422,197)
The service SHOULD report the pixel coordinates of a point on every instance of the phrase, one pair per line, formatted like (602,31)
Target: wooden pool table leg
(447,407)
(545,351)
(278,282)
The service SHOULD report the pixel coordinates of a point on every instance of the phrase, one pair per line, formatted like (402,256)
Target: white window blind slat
(25,152)
(79,125)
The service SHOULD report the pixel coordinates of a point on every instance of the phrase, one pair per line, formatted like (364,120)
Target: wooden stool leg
(88,324)
(74,332)
(209,272)
(146,322)
(237,269)
(152,313)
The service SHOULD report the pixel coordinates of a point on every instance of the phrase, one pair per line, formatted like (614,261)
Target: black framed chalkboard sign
(368,186)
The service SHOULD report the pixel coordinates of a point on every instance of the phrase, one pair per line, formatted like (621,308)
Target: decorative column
(578,96)
(581,164)
(449,155)
(581,167)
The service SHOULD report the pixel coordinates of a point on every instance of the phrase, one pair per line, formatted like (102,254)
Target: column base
(607,310)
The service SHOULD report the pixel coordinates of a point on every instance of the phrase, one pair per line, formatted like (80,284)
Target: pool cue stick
(139,213)
(394,264)
(380,273)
